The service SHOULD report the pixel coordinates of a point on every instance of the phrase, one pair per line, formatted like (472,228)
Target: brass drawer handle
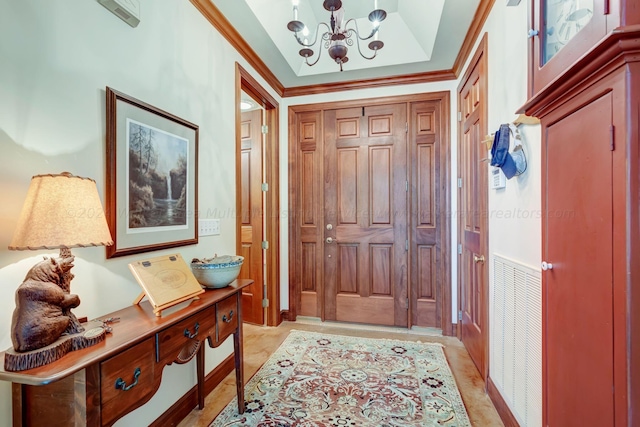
(226,319)
(195,331)
(121,385)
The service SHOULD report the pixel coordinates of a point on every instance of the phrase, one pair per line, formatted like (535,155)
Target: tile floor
(260,342)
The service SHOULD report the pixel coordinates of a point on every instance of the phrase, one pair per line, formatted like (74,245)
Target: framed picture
(152,170)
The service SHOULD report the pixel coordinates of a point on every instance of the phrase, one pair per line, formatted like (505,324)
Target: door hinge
(406,186)
(459,182)
(406,301)
(265,129)
(265,186)
(406,245)
(265,244)
(612,137)
(265,303)
(459,248)
(459,116)
(406,127)
(459,314)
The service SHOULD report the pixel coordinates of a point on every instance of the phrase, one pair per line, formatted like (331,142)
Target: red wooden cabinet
(590,119)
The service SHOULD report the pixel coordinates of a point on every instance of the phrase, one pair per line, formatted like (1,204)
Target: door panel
(578,291)
(427,196)
(472,204)
(310,190)
(252,227)
(365,204)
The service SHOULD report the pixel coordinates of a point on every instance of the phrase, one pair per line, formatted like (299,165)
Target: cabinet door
(566,30)
(578,290)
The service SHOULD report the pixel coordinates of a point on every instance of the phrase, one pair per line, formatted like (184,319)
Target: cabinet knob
(546,266)
(478,258)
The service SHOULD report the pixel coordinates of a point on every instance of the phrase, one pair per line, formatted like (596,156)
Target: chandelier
(338,35)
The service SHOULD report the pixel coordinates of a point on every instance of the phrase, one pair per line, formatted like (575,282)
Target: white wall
(57,58)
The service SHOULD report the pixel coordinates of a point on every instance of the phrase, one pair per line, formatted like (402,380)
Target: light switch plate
(208,227)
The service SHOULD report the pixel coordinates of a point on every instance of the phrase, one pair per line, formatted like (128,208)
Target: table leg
(200,374)
(237,347)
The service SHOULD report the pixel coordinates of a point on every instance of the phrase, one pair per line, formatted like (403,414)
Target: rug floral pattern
(315,380)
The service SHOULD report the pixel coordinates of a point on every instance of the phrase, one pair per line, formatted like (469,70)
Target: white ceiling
(419,36)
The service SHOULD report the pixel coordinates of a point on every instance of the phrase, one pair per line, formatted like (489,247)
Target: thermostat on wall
(498,180)
(127,10)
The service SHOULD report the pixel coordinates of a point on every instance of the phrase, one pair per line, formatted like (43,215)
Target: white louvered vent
(516,338)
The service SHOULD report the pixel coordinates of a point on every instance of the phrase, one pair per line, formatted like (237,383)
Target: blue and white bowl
(217,272)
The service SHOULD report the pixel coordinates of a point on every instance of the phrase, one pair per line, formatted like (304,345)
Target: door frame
(245,82)
(479,55)
(445,167)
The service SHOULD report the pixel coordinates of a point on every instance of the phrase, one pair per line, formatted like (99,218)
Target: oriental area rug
(319,380)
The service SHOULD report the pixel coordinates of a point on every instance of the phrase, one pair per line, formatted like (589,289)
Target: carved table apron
(98,385)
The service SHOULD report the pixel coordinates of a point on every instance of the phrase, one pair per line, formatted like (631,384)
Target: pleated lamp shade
(61,211)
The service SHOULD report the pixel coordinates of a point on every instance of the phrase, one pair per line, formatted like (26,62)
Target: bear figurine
(42,308)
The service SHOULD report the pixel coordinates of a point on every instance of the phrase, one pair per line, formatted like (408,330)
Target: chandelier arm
(306,59)
(349,31)
(357,31)
(315,39)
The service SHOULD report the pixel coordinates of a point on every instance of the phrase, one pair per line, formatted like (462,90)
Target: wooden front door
(472,206)
(252,218)
(365,215)
(578,288)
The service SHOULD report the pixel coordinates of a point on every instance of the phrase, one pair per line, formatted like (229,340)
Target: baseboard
(284,315)
(501,406)
(179,410)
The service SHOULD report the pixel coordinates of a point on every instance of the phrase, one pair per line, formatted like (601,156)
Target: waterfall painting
(157,168)
(152,169)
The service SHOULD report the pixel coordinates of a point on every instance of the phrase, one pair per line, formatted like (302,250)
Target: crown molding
(220,23)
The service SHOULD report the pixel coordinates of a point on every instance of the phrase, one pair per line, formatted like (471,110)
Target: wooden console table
(98,385)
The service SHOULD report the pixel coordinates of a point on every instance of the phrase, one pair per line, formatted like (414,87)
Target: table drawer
(187,332)
(127,380)
(227,317)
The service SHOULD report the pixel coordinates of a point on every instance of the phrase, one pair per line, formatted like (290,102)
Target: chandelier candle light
(339,34)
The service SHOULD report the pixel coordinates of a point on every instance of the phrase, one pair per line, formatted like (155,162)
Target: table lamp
(60,212)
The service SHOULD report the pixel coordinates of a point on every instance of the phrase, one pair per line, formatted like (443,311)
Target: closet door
(578,286)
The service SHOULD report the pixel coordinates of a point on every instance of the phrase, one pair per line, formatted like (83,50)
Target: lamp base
(92,334)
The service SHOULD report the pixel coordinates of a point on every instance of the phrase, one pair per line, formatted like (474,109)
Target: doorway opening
(257,200)
(369,230)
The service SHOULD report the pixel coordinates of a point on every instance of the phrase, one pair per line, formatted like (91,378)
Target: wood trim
(407,79)
(220,23)
(179,410)
(501,406)
(284,315)
(294,291)
(445,230)
(246,82)
(416,97)
(480,17)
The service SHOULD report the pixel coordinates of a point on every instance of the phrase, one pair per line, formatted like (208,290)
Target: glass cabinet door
(563,20)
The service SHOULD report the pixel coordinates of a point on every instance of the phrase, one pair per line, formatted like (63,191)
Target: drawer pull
(226,319)
(121,385)
(195,331)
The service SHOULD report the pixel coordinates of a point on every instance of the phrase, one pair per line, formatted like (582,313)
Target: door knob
(478,258)
(546,266)
(329,240)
